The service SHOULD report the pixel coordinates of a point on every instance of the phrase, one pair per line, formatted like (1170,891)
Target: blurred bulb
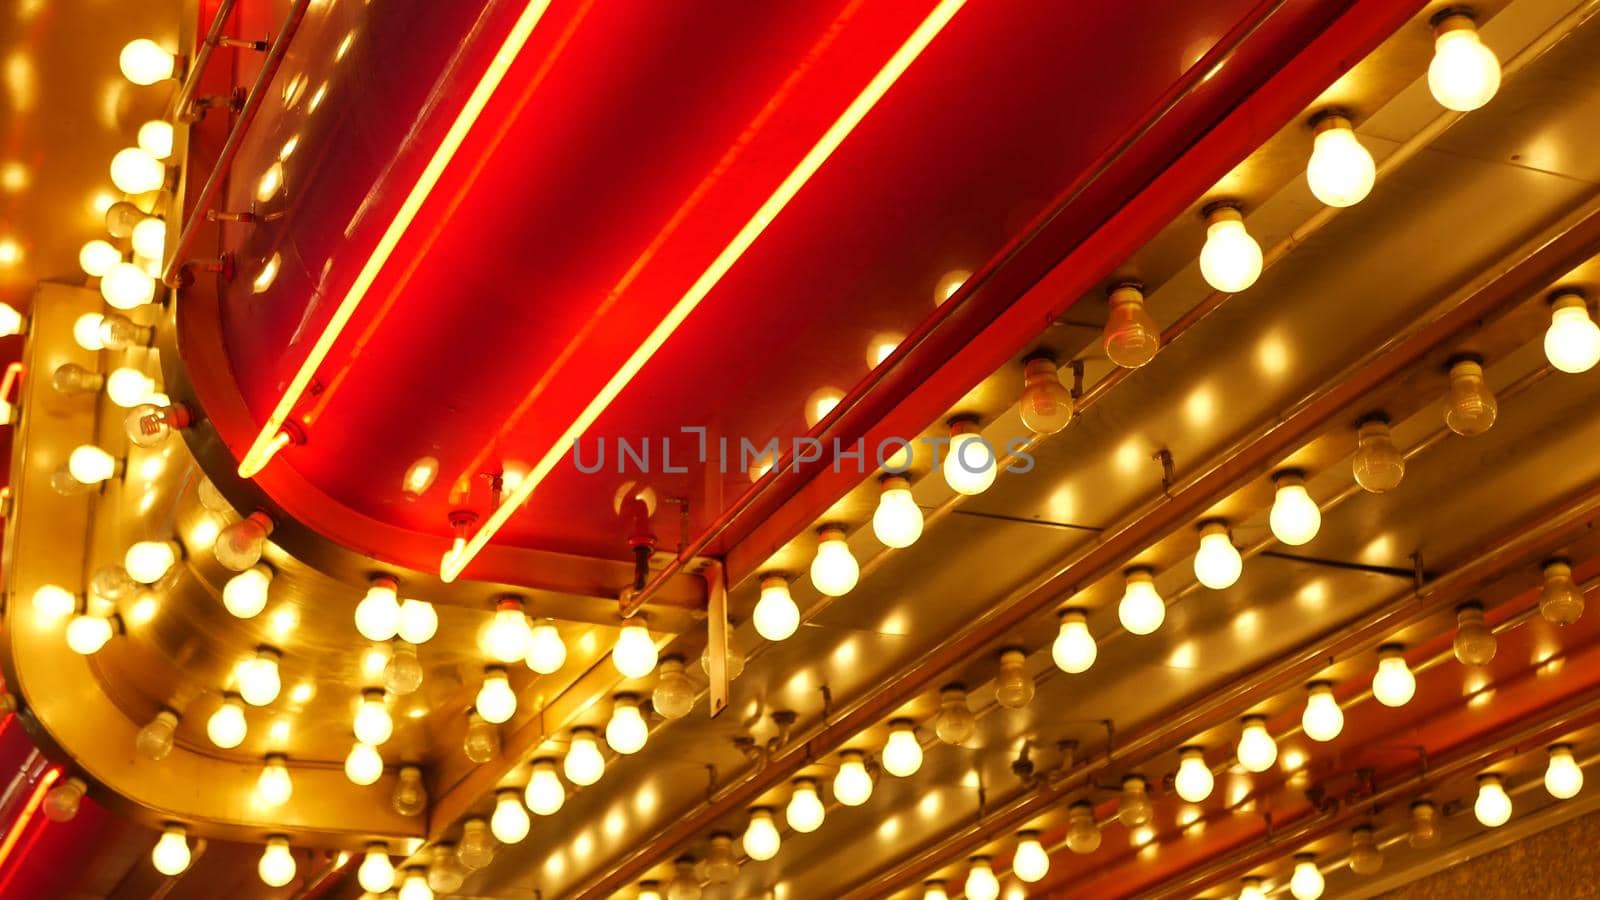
(135,171)
(1142,610)
(86,328)
(96,259)
(508,634)
(545,793)
(1046,404)
(410,798)
(1471,407)
(1572,343)
(1493,806)
(171,854)
(239,546)
(721,867)
(376,873)
(1230,261)
(274,787)
(418,621)
(496,701)
(684,885)
(150,238)
(1135,809)
(732,658)
(805,811)
(86,634)
(1323,719)
(445,874)
(1341,171)
(1074,649)
(53,602)
(143,62)
(364,765)
(482,741)
(775,615)
(1424,824)
(902,754)
(118,332)
(1562,777)
(373,723)
(1131,337)
(415,886)
(981,883)
(834,570)
(1257,750)
(934,890)
(1013,686)
(245,594)
(761,839)
(1393,684)
(674,694)
(128,387)
(1378,464)
(1464,74)
(148,561)
(1250,889)
(897,522)
(1295,517)
(970,465)
(259,682)
(277,865)
(634,653)
(547,653)
(1030,863)
(583,763)
(1083,833)
(91,465)
(1560,600)
(510,822)
(1474,643)
(126,286)
(1365,857)
(476,848)
(155,738)
(62,801)
(226,727)
(1217,563)
(402,674)
(955,723)
(378,613)
(155,138)
(1194,781)
(71,378)
(852,784)
(626,731)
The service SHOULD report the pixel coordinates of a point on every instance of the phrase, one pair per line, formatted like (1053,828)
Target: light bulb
(277,866)
(1046,404)
(226,727)
(721,867)
(1323,719)
(1257,750)
(685,885)
(239,546)
(1194,781)
(135,171)
(476,848)
(649,890)
(634,653)
(71,378)
(143,62)
(1470,408)
(1030,863)
(934,890)
(150,238)
(674,694)
(1250,889)
(126,286)
(418,622)
(1295,517)
(53,602)
(897,522)
(113,583)
(86,633)
(955,724)
(363,765)
(1493,806)
(1013,685)
(155,138)
(96,259)
(852,784)
(1393,684)
(733,660)
(1560,600)
(506,638)
(118,332)
(259,681)
(274,786)
(970,464)
(775,616)
(1474,643)
(1307,882)
(1135,809)
(171,854)
(1217,563)
(510,822)
(834,570)
(1572,343)
(378,613)
(1230,261)
(805,811)
(376,873)
(583,763)
(1074,649)
(1464,74)
(981,883)
(90,464)
(86,328)
(415,886)
(1562,777)
(245,594)
(902,754)
(402,674)
(547,653)
(61,802)
(626,731)
(410,798)
(1378,464)
(120,218)
(496,701)
(1131,337)
(373,723)
(1141,610)
(156,737)
(1341,171)
(128,387)
(1083,832)
(1365,857)
(545,793)
(1424,824)
(148,425)
(761,839)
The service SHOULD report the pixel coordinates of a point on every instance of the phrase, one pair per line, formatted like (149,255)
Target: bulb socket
(1453,18)
(1330,120)
(1222,211)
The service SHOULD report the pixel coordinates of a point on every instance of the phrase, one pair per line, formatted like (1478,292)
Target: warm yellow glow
(1231,259)
(148,561)
(274,787)
(583,763)
(897,522)
(135,171)
(126,286)
(144,62)
(1194,781)
(634,653)
(1464,74)
(834,570)
(277,866)
(171,854)
(1493,806)
(155,138)
(1141,610)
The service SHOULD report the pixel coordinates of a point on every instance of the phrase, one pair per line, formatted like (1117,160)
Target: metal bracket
(783,720)
(242,44)
(717,636)
(242,217)
(1418,574)
(1164,456)
(827,702)
(1077,380)
(1111,734)
(711,782)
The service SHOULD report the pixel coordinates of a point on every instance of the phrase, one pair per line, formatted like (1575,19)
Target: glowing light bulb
(1572,343)
(761,839)
(634,653)
(1250,889)
(53,602)
(11,320)
(239,546)
(91,465)
(143,62)
(418,622)
(277,866)
(378,613)
(902,754)
(147,425)
(852,784)
(970,464)
(259,681)
(583,763)
(1046,404)
(96,259)
(834,570)
(1230,261)
(1135,809)
(1323,719)
(1257,750)
(626,731)
(506,638)
(482,740)
(150,238)
(86,634)
(128,387)
(510,822)
(156,737)
(1470,408)
(1013,685)
(226,727)
(981,883)
(376,873)
(171,854)
(86,328)
(1560,600)
(135,171)
(126,286)
(1194,781)
(476,849)
(1464,74)
(1083,833)
(1030,863)
(805,811)
(373,723)
(545,793)
(1141,610)
(274,787)
(934,890)
(547,653)
(1378,464)
(363,765)
(897,522)
(1562,776)
(721,867)
(496,701)
(415,886)
(1217,563)
(1493,806)
(1475,643)
(148,561)
(1393,685)
(155,138)
(775,616)
(1341,171)
(955,724)
(1295,517)
(674,694)
(1074,649)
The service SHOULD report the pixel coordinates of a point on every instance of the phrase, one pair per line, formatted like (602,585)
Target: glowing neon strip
(456,560)
(266,443)
(26,815)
